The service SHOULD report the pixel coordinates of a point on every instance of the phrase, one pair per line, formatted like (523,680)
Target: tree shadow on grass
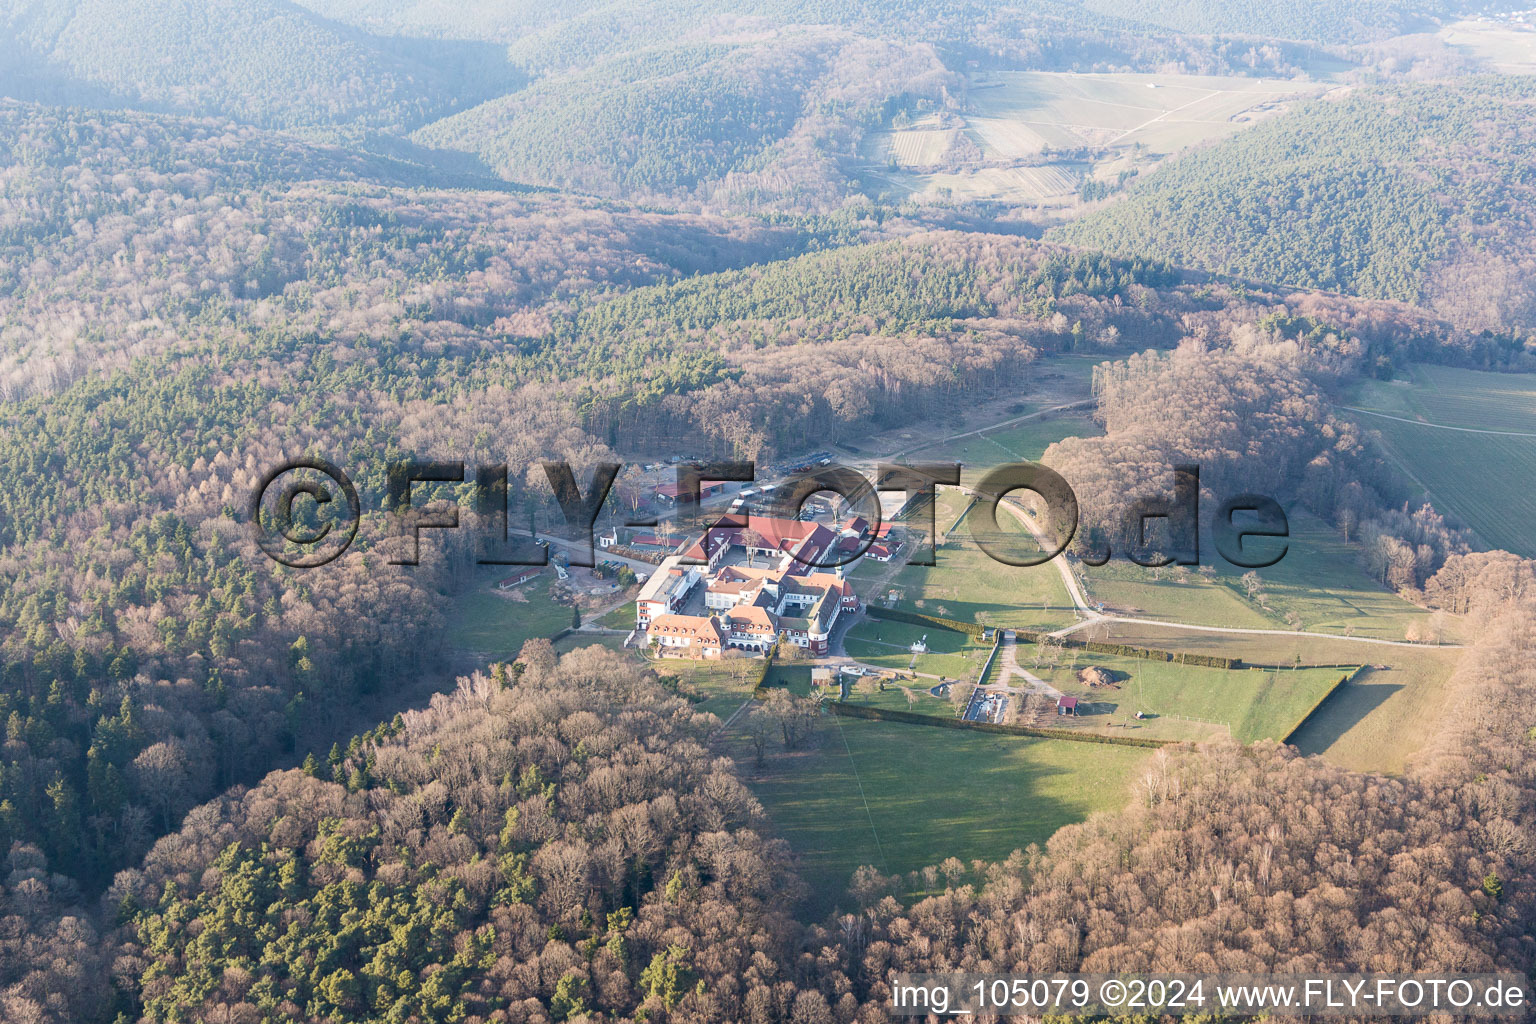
(1344,708)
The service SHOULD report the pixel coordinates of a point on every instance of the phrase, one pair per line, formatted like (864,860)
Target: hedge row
(759,689)
(911,717)
(919,619)
(1346,677)
(1036,636)
(1127,651)
(1153,654)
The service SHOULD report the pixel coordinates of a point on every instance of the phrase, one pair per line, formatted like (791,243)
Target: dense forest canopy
(266,62)
(1420,193)
(547,37)
(1318,20)
(780,116)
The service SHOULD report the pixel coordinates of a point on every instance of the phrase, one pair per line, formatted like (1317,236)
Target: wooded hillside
(1420,193)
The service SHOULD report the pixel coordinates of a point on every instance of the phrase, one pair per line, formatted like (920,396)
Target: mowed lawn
(900,696)
(1376,722)
(886,643)
(622,617)
(717,686)
(496,624)
(1255,703)
(968,584)
(900,797)
(1483,479)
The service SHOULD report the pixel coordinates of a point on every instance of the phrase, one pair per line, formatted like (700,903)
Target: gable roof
(699,628)
(805,540)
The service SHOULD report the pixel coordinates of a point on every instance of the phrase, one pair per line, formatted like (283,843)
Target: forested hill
(267,62)
(196,296)
(1419,192)
(1326,21)
(781,116)
(547,36)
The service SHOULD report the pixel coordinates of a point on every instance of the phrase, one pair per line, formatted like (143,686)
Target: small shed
(821,676)
(1066,706)
(520,577)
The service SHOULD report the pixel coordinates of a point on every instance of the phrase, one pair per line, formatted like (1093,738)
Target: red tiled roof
(750,619)
(807,540)
(695,627)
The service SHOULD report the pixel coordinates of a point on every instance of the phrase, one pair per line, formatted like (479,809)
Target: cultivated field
(1507,48)
(1164,113)
(1454,397)
(920,147)
(1484,481)
(1481,478)
(1041,133)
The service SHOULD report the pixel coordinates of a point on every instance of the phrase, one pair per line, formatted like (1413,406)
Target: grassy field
(1125,588)
(1376,722)
(885,643)
(1319,586)
(1253,704)
(714,685)
(968,584)
(575,641)
(901,797)
(1020,116)
(496,624)
(1481,478)
(622,617)
(1021,442)
(1456,398)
